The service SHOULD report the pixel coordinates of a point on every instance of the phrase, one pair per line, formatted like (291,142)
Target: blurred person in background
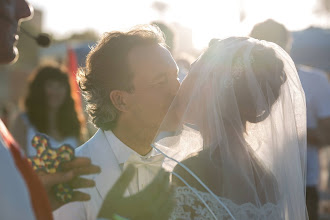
(24,194)
(317,92)
(50,109)
(18,200)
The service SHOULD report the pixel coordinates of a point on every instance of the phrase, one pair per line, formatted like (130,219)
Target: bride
(239,149)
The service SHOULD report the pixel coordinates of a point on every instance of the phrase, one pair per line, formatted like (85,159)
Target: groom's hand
(71,172)
(154,202)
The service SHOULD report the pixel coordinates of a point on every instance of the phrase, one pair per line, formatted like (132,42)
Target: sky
(206,18)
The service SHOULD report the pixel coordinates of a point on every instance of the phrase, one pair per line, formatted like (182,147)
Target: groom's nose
(175,86)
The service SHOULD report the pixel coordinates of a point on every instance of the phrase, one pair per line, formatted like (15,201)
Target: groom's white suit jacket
(110,159)
(101,154)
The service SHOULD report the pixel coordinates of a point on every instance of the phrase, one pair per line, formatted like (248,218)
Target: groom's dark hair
(272,31)
(107,69)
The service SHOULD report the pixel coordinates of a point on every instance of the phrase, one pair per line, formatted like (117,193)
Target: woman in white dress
(240,135)
(50,109)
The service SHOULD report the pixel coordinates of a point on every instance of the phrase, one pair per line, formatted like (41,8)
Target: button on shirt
(147,166)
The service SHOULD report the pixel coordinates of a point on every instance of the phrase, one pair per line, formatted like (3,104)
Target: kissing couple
(232,135)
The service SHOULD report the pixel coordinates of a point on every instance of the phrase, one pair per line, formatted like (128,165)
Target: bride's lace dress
(189,206)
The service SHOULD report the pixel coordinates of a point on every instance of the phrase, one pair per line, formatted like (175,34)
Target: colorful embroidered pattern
(49,159)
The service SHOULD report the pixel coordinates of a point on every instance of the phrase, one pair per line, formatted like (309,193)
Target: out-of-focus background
(77,25)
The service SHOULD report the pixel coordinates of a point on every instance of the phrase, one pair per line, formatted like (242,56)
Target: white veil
(238,123)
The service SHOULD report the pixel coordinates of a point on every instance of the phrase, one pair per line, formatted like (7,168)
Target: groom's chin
(9,56)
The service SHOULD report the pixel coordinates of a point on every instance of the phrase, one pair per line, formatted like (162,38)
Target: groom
(129,84)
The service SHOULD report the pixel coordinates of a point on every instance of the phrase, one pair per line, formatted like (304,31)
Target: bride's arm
(202,168)
(191,163)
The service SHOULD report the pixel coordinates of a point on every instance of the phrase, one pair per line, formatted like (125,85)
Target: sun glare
(207,19)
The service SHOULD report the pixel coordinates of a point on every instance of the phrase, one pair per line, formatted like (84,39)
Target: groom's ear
(119,100)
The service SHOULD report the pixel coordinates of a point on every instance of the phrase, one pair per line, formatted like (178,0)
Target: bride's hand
(154,202)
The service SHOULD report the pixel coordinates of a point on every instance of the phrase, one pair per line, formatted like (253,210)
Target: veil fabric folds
(236,134)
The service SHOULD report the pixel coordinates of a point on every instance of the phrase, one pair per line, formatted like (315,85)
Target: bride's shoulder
(199,165)
(192,162)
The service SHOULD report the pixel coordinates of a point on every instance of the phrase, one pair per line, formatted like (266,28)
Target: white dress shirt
(112,155)
(147,166)
(15,203)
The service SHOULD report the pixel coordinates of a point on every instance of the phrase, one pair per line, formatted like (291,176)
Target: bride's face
(188,102)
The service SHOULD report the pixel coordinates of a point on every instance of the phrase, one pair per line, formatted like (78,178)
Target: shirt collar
(122,151)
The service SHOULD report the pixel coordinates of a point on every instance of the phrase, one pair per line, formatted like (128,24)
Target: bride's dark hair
(270,75)
(268,70)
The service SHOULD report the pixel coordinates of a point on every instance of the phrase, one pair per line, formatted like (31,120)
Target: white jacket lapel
(102,155)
